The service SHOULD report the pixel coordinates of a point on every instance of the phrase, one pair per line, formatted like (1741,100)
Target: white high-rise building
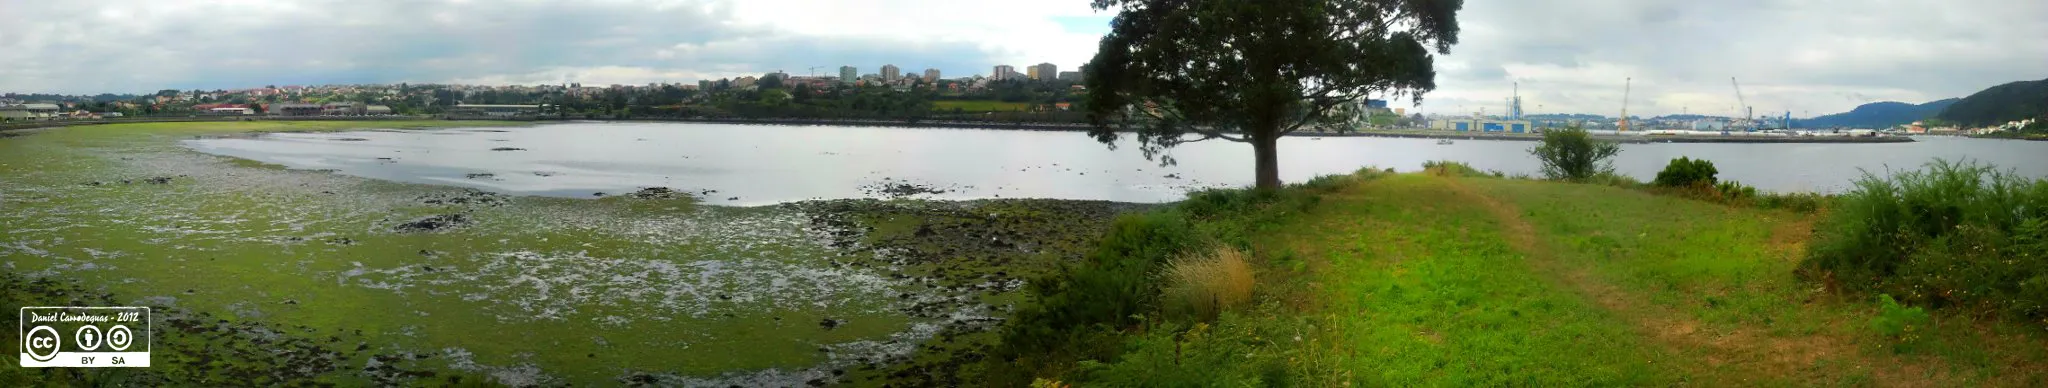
(848,74)
(1044,72)
(890,73)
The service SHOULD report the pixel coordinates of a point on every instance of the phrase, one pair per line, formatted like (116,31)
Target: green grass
(1421,279)
(979,106)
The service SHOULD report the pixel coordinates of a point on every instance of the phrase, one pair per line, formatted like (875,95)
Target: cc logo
(42,343)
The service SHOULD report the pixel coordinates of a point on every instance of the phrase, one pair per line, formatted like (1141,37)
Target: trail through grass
(1448,280)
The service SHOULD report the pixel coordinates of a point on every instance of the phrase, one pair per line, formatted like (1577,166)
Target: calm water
(773,164)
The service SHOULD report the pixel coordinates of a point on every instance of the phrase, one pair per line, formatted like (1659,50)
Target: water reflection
(753,165)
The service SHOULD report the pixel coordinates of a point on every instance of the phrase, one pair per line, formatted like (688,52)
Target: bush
(1734,192)
(1112,287)
(1684,172)
(1326,183)
(1898,322)
(1609,178)
(1798,202)
(1451,169)
(1203,286)
(1952,235)
(1572,154)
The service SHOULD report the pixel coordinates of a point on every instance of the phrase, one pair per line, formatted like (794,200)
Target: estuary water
(757,164)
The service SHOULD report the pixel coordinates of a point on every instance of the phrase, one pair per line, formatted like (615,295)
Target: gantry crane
(1625,83)
(1748,114)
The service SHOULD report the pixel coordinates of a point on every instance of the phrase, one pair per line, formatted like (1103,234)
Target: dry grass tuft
(1205,285)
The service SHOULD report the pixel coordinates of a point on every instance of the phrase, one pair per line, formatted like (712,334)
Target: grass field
(979,106)
(1420,280)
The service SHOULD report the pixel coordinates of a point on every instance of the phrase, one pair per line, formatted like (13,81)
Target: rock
(434,223)
(658,193)
(828,324)
(477,175)
(508,149)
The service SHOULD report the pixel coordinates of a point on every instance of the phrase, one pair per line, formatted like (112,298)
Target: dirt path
(1738,356)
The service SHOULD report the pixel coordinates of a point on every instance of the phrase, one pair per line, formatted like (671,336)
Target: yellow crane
(1625,83)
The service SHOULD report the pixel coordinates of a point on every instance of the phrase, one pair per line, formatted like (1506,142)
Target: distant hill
(1879,115)
(1999,104)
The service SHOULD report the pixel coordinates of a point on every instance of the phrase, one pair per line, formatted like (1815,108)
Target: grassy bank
(1455,278)
(264,275)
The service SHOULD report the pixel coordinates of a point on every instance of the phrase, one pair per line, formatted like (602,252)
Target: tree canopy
(1176,71)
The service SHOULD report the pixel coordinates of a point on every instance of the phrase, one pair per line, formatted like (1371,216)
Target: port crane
(1748,124)
(1625,83)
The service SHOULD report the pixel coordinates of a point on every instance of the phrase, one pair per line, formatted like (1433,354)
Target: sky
(1808,57)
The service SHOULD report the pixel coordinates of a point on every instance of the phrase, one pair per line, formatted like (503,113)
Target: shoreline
(1010,126)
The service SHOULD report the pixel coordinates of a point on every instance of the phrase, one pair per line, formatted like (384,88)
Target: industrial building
(30,112)
(295,109)
(496,111)
(1481,125)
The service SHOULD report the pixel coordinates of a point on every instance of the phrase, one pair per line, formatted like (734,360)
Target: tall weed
(1955,234)
(1203,286)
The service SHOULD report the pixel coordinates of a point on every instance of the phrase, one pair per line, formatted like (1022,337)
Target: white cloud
(1808,56)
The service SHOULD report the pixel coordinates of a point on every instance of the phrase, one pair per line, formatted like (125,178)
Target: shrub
(1450,168)
(1952,235)
(1205,285)
(1572,154)
(1609,178)
(1732,191)
(1112,287)
(1331,183)
(1899,322)
(1684,172)
(1798,202)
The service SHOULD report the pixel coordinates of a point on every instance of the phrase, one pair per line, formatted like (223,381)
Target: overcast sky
(1810,57)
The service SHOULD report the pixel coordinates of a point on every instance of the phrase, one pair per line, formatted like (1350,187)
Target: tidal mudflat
(265,274)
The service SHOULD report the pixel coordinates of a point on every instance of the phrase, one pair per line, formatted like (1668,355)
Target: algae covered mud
(261,274)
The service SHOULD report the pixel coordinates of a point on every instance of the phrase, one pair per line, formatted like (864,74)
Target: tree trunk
(1266,150)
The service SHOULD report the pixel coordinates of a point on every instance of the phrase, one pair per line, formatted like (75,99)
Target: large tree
(1179,71)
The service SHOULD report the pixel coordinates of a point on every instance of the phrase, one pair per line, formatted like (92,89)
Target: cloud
(1811,57)
(140,46)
